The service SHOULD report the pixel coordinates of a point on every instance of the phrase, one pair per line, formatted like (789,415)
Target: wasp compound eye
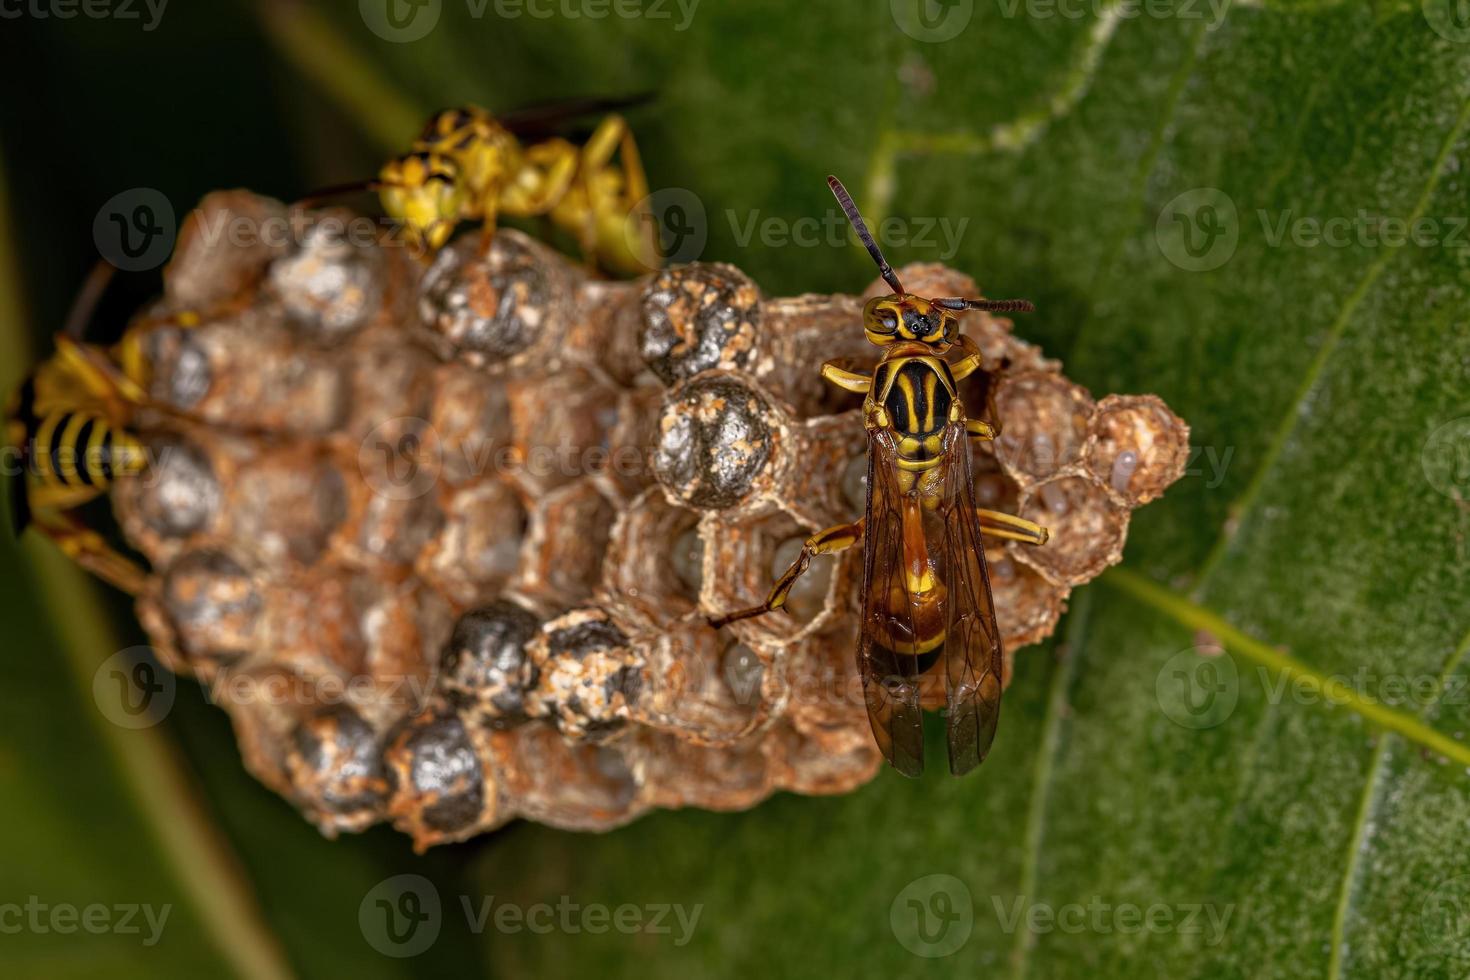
(880,318)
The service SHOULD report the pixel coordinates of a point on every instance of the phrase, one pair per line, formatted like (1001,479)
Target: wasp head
(422,191)
(901,318)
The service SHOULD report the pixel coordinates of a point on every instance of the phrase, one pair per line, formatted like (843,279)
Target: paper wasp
(927,609)
(68,439)
(468,165)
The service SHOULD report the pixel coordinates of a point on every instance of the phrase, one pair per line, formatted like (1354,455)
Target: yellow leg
(487,224)
(88,549)
(998,525)
(979,429)
(550,167)
(973,360)
(828,542)
(91,366)
(845,379)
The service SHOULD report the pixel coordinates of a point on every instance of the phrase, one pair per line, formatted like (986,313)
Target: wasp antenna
(338,190)
(988,305)
(85,305)
(861,227)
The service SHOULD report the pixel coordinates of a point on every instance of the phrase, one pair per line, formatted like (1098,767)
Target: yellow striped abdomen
(82,449)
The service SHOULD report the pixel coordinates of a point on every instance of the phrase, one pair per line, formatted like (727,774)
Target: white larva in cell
(1123,468)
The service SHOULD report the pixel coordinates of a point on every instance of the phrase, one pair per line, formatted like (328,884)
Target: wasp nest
(444,538)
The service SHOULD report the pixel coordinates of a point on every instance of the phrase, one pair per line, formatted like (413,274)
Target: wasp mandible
(468,165)
(927,606)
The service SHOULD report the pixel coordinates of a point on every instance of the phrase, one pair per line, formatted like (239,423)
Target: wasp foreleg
(845,379)
(829,542)
(998,525)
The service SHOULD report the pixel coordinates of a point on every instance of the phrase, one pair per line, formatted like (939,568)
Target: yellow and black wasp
(68,440)
(927,606)
(468,165)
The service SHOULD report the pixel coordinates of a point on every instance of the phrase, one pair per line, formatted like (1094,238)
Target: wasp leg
(845,379)
(549,170)
(487,224)
(829,542)
(102,379)
(88,549)
(979,429)
(998,525)
(973,360)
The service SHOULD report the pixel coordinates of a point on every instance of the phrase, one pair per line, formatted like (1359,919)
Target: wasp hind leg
(997,525)
(829,542)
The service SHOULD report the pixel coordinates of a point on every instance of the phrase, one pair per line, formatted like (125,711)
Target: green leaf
(1305,820)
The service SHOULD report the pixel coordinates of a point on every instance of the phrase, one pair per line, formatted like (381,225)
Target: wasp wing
(890,681)
(973,661)
(546,119)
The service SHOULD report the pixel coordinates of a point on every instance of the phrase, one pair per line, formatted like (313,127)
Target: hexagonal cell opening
(655,561)
(752,556)
(575,786)
(703,684)
(570,530)
(1087,529)
(1044,421)
(561,428)
(472,419)
(1140,447)
(1027,606)
(478,548)
(803,333)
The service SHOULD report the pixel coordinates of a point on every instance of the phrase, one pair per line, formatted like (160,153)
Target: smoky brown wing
(547,119)
(972,646)
(890,681)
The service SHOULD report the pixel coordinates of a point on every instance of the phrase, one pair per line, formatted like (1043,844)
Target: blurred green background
(1323,517)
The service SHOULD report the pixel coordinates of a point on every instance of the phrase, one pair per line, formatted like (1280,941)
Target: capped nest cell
(444,537)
